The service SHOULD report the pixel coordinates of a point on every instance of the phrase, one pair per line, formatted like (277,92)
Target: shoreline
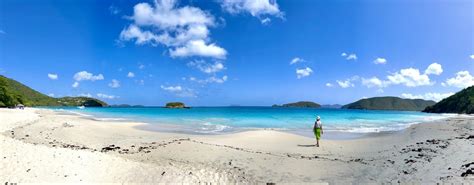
(45,146)
(186,129)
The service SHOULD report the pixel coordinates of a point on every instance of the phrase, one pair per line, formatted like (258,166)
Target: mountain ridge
(390,103)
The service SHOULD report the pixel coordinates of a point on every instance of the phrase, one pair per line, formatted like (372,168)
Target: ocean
(217,120)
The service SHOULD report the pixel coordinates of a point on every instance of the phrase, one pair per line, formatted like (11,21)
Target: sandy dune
(45,146)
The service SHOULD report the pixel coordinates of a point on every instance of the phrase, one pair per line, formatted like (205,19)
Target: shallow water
(211,120)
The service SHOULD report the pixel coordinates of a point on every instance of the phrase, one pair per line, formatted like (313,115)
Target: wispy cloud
(89,95)
(114,83)
(106,96)
(52,76)
(207,67)
(428,96)
(296,60)
(211,79)
(351,56)
(114,10)
(75,84)
(172,88)
(266,21)
(180,91)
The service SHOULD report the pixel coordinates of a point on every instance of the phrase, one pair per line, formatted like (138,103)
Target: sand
(43,146)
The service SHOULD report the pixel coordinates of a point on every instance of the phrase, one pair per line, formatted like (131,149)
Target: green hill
(13,93)
(461,102)
(389,103)
(300,104)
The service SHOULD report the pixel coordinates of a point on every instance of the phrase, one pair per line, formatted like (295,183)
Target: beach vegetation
(13,93)
(461,102)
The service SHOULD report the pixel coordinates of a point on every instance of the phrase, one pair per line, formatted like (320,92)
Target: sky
(239,52)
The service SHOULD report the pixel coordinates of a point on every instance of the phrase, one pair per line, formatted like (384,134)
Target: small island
(176,105)
(300,104)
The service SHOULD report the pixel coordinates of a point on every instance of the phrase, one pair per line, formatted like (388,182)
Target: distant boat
(81,107)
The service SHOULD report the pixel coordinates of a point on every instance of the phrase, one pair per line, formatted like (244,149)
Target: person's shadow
(306,145)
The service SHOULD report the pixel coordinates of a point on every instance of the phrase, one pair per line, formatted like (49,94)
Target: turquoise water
(205,120)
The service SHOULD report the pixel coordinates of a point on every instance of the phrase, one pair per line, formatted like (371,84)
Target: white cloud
(462,79)
(84,75)
(329,85)
(51,95)
(296,60)
(427,96)
(52,76)
(472,56)
(217,80)
(256,8)
(351,56)
(380,61)
(131,74)
(114,83)
(304,72)
(184,30)
(374,82)
(266,21)
(114,10)
(75,84)
(199,48)
(409,77)
(85,95)
(211,79)
(172,88)
(141,66)
(434,68)
(207,67)
(105,96)
(348,82)
(345,83)
(179,91)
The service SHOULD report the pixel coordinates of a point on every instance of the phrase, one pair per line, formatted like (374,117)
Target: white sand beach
(43,146)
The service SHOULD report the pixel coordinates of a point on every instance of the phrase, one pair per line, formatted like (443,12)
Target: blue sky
(239,52)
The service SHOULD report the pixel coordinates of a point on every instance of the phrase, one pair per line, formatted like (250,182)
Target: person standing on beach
(318,129)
